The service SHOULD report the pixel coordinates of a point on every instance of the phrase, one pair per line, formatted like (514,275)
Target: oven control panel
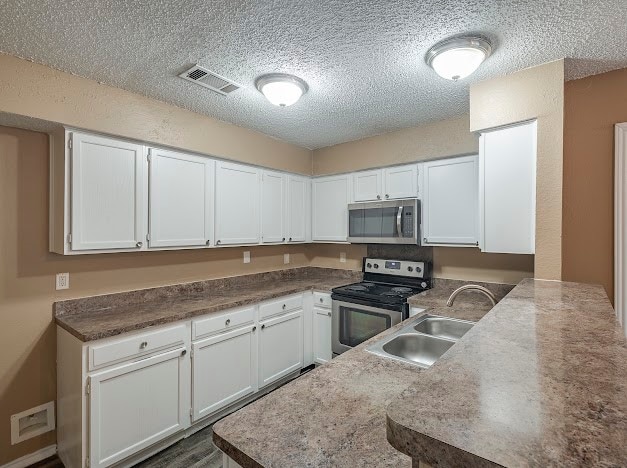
(394,267)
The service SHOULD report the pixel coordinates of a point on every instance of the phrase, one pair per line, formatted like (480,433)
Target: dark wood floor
(194,452)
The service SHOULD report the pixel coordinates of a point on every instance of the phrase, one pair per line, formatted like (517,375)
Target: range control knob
(369,265)
(376,265)
(410,268)
(418,269)
(423,285)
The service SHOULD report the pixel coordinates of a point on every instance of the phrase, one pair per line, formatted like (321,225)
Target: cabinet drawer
(224,321)
(281,305)
(322,299)
(138,345)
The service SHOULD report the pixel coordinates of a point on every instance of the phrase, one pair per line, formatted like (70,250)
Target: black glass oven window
(357,326)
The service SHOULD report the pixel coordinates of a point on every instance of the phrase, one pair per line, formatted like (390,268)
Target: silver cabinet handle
(263,326)
(387,196)
(329,314)
(254,328)
(399,219)
(218,242)
(378,197)
(321,299)
(290,239)
(284,306)
(143,345)
(228,322)
(139,244)
(184,352)
(208,242)
(284,239)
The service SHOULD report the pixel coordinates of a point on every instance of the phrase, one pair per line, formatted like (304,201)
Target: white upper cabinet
(386,184)
(368,185)
(180,199)
(107,193)
(273,207)
(298,208)
(508,189)
(330,208)
(401,181)
(450,207)
(237,204)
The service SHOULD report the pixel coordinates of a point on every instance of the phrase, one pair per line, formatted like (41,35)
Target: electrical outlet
(342,257)
(286,258)
(247,257)
(63,281)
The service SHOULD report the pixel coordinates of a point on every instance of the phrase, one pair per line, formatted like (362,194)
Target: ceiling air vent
(210,80)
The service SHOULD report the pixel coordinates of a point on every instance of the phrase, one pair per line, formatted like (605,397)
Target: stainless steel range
(363,310)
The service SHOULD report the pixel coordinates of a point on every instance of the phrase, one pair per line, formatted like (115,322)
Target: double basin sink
(422,342)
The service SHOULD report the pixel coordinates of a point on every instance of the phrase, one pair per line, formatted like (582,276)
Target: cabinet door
(273,208)
(180,199)
(224,369)
(322,335)
(237,204)
(299,208)
(330,208)
(107,193)
(136,405)
(508,189)
(450,201)
(401,182)
(368,185)
(280,347)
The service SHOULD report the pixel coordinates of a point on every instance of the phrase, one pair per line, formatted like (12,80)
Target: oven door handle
(399,221)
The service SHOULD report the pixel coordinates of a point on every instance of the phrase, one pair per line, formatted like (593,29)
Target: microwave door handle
(399,223)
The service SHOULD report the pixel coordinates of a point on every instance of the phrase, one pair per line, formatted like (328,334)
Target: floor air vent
(210,80)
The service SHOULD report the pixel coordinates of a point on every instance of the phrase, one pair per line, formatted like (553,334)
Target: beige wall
(534,93)
(27,269)
(592,106)
(36,91)
(445,138)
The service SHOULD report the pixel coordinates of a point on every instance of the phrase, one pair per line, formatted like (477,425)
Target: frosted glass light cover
(455,64)
(282,93)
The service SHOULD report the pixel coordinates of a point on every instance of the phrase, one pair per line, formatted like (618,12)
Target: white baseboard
(31,458)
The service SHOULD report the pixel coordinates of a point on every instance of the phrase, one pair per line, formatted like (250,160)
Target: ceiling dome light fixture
(281,89)
(457,57)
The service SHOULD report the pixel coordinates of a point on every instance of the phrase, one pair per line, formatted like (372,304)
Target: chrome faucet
(472,287)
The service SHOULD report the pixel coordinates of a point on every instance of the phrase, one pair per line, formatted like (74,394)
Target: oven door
(388,222)
(352,323)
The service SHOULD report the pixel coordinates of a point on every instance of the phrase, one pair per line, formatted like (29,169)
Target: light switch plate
(342,257)
(62,281)
(247,257)
(286,258)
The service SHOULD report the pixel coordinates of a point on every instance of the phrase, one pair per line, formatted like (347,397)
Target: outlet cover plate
(247,257)
(286,258)
(62,281)
(342,257)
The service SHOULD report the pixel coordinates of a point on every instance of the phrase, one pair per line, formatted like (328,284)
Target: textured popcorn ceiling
(363,59)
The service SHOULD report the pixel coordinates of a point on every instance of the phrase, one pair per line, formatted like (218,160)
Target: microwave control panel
(408,222)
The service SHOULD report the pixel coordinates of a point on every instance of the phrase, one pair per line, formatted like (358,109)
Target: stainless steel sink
(422,342)
(443,327)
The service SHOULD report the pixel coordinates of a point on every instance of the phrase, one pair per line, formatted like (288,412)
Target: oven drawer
(279,306)
(322,300)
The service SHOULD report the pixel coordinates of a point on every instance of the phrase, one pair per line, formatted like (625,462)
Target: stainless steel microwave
(386,222)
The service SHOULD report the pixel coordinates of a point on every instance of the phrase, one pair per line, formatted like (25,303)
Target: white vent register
(210,80)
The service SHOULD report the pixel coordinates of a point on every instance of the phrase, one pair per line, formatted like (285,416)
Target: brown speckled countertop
(335,415)
(541,380)
(97,317)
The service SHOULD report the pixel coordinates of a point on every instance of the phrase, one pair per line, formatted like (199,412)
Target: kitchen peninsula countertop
(541,380)
(97,317)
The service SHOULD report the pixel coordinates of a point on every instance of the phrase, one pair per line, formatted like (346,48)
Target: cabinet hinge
(69,142)
(191,413)
(191,353)
(69,238)
(148,237)
(88,388)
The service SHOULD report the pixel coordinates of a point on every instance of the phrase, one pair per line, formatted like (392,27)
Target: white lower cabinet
(322,335)
(224,369)
(280,346)
(134,405)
